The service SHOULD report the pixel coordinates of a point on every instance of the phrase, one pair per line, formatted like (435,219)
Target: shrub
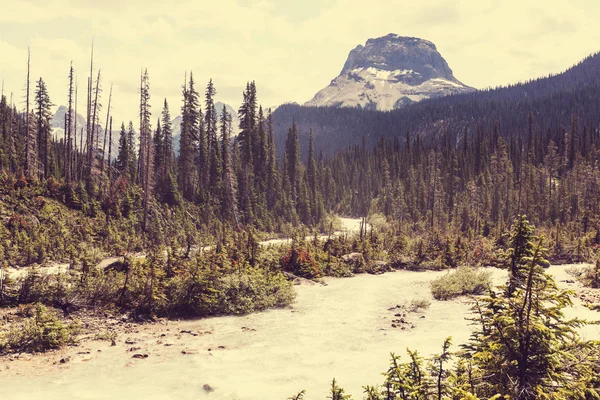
(587,276)
(337,269)
(301,263)
(418,304)
(40,332)
(379,223)
(108,335)
(193,290)
(356,262)
(462,281)
(253,289)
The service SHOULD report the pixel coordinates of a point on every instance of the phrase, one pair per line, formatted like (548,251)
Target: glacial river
(342,330)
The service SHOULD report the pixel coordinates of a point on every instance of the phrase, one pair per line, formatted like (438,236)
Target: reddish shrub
(301,263)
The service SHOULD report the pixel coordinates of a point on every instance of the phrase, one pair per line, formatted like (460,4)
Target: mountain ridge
(390,72)
(58,125)
(551,100)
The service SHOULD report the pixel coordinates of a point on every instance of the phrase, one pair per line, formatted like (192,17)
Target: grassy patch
(462,281)
(587,276)
(416,305)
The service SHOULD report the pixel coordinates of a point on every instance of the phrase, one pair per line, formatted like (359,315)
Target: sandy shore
(341,330)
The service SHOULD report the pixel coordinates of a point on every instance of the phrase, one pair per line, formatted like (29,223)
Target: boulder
(356,261)
(207,388)
(303,281)
(379,267)
(352,257)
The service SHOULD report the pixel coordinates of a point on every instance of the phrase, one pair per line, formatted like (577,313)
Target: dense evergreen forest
(215,183)
(456,183)
(478,186)
(466,165)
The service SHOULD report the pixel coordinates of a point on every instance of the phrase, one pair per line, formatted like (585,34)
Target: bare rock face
(390,72)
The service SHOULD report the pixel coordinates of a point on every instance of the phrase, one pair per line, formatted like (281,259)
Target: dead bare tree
(28,144)
(93,144)
(68,127)
(106,130)
(146,164)
(109,150)
(75,157)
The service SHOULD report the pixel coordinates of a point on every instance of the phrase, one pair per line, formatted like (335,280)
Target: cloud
(517,53)
(553,25)
(442,14)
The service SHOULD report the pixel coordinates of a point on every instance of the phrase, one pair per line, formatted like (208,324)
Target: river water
(341,330)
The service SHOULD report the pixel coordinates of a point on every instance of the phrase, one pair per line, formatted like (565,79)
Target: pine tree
(247,145)
(292,152)
(311,172)
(520,252)
(247,117)
(146,148)
(167,140)
(573,141)
(337,393)
(272,172)
(43,117)
(228,196)
(132,158)
(123,155)
(214,150)
(4,132)
(158,142)
(188,139)
(261,162)
(525,348)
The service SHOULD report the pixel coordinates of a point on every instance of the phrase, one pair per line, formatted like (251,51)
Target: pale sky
(291,48)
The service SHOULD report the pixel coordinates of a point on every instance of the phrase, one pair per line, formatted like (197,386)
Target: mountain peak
(390,72)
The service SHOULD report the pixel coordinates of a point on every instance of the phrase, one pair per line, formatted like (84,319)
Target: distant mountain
(58,124)
(58,130)
(552,102)
(388,73)
(58,120)
(230,110)
(176,123)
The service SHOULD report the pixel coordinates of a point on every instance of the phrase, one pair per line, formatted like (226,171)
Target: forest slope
(551,100)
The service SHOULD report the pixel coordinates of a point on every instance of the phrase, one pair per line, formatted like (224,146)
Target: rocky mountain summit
(390,72)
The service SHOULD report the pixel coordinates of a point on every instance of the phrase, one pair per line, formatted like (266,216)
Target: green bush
(337,269)
(40,332)
(253,289)
(462,281)
(418,304)
(379,223)
(587,276)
